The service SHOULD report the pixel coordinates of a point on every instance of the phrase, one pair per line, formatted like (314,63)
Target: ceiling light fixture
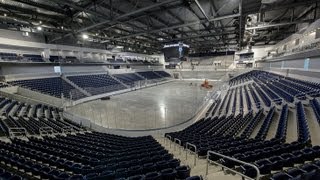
(85,36)
(39,28)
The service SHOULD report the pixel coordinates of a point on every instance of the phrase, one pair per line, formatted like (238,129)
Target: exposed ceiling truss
(146,25)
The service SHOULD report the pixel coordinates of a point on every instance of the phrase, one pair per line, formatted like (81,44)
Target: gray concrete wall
(298,63)
(12,69)
(299,74)
(17,35)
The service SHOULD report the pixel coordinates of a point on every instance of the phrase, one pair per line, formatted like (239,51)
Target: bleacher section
(93,84)
(91,156)
(97,83)
(163,73)
(260,137)
(27,119)
(73,152)
(3,85)
(55,58)
(278,88)
(54,86)
(128,78)
(33,57)
(24,57)
(149,75)
(116,61)
(254,135)
(71,59)
(87,155)
(8,56)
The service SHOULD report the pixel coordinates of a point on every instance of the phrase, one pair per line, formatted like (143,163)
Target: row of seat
(129,78)
(307,171)
(254,96)
(93,83)
(232,135)
(302,124)
(54,86)
(248,100)
(316,108)
(224,101)
(35,119)
(91,156)
(163,74)
(96,83)
(282,125)
(234,106)
(33,57)
(280,159)
(263,131)
(287,88)
(266,100)
(275,157)
(149,75)
(241,104)
(232,93)
(252,124)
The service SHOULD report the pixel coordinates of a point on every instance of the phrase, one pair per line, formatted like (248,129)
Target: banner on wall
(306,64)
(57,69)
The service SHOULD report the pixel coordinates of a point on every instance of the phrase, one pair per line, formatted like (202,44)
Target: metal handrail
(179,143)
(191,152)
(170,138)
(18,131)
(232,170)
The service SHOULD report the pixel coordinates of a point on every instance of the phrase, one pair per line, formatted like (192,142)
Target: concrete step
(222,176)
(188,159)
(273,126)
(292,126)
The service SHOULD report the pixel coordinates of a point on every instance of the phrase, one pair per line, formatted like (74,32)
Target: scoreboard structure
(175,52)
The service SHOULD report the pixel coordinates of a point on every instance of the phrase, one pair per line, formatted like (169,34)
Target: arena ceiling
(146,25)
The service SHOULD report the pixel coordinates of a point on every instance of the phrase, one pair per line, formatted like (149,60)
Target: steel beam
(30,12)
(126,15)
(79,8)
(201,9)
(240,23)
(179,26)
(88,6)
(276,25)
(117,18)
(201,35)
(42,6)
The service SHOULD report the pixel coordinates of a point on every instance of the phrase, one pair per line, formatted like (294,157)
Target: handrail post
(195,152)
(169,137)
(232,159)
(207,165)
(179,142)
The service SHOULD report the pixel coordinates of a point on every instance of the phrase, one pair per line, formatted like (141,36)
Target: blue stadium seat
(183,172)
(54,86)
(97,83)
